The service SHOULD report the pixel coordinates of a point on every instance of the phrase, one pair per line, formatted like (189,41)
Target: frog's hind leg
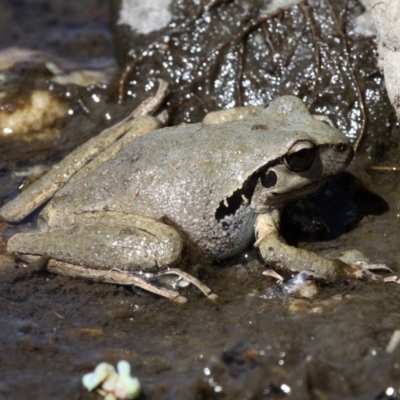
(112,246)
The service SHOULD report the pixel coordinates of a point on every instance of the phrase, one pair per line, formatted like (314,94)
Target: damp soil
(254,342)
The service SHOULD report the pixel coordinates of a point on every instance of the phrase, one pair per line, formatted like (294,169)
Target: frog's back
(173,170)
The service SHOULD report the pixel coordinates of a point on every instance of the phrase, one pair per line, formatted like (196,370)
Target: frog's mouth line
(243,195)
(313,185)
(302,191)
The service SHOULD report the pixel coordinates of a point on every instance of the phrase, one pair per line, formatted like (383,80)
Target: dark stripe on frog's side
(236,199)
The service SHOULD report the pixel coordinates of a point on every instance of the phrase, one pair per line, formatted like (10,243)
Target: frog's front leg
(277,253)
(109,246)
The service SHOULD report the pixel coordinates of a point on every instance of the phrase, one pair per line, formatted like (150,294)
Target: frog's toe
(374,267)
(392,279)
(193,280)
(356,264)
(365,270)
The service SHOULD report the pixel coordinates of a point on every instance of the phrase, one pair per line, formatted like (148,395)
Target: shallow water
(253,343)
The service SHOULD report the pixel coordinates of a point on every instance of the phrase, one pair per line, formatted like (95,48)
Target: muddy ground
(253,343)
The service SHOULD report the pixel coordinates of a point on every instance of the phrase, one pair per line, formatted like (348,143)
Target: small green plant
(113,384)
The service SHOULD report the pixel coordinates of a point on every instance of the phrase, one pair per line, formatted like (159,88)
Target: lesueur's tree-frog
(220,185)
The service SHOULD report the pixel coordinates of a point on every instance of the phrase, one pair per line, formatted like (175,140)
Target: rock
(386,14)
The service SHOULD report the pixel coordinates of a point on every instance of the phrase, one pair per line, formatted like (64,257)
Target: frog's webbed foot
(357,266)
(112,276)
(363,270)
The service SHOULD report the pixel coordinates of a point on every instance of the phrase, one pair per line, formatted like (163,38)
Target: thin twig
(339,30)
(304,7)
(268,39)
(239,76)
(383,168)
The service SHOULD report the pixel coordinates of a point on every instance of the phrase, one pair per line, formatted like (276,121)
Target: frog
(129,211)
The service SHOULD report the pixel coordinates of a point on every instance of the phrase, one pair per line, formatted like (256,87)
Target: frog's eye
(269,179)
(300,156)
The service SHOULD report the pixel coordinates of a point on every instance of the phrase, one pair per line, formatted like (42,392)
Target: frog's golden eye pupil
(269,179)
(301,156)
